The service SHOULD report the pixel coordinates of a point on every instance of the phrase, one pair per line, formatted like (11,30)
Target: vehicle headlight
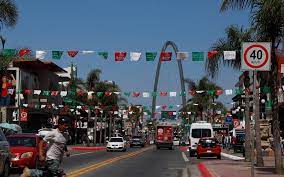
(27,155)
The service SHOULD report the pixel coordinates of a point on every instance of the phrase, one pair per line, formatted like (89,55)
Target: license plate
(209,151)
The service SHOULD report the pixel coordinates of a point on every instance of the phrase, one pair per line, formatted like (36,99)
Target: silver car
(4,155)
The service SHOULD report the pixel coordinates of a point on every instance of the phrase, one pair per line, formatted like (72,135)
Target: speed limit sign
(256,56)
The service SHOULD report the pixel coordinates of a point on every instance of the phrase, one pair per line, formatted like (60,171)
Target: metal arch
(166,45)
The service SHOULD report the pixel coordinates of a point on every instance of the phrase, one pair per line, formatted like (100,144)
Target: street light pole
(253,123)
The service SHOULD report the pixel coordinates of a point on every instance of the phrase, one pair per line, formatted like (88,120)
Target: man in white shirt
(56,148)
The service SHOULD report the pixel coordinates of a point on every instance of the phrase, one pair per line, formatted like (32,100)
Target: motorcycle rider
(56,148)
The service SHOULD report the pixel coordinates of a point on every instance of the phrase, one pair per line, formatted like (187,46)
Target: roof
(35,63)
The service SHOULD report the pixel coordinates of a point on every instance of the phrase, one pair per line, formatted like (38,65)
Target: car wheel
(219,156)
(198,157)
(171,148)
(6,170)
(158,147)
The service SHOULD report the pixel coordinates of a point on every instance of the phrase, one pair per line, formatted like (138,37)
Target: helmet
(62,120)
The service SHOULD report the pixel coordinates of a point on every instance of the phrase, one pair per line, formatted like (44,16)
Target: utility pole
(253,123)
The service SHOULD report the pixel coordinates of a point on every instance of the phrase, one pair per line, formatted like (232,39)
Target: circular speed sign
(256,56)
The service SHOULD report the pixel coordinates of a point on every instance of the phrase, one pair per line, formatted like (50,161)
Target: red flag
(170,113)
(219,92)
(164,107)
(80,93)
(166,56)
(163,93)
(211,54)
(192,92)
(108,93)
(54,93)
(24,52)
(136,94)
(119,56)
(27,91)
(72,53)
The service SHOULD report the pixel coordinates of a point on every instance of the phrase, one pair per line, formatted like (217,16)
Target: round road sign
(256,56)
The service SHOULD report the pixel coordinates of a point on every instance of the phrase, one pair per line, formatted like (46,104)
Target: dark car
(238,142)
(5,155)
(25,150)
(137,141)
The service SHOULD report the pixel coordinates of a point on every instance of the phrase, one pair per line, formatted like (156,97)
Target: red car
(208,147)
(25,150)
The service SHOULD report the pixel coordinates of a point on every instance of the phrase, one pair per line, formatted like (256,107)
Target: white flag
(90,93)
(42,106)
(117,93)
(188,113)
(229,92)
(182,55)
(174,113)
(63,93)
(25,105)
(40,54)
(173,94)
(146,94)
(157,107)
(88,52)
(200,91)
(37,92)
(145,113)
(115,112)
(229,55)
(79,107)
(135,56)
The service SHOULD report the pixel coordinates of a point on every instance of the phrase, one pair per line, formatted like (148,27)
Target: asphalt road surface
(138,162)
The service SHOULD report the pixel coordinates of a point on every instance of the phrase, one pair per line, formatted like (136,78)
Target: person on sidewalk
(56,148)
(5,86)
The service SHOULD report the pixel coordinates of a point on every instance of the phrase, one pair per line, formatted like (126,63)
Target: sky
(127,25)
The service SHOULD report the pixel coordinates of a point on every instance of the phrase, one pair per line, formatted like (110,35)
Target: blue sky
(127,25)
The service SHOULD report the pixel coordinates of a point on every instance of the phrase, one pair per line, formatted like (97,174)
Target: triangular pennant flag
(104,55)
(192,92)
(182,94)
(164,107)
(219,92)
(174,113)
(230,55)
(37,92)
(229,92)
(166,56)
(56,55)
(158,107)
(117,93)
(136,94)
(171,106)
(90,93)
(127,94)
(71,93)
(211,54)
(80,93)
(199,91)
(173,94)
(150,56)
(182,55)
(239,91)
(265,89)
(163,93)
(119,56)
(25,105)
(197,56)
(146,94)
(24,52)
(88,52)
(54,93)
(135,56)
(108,93)
(9,52)
(72,53)
(178,105)
(43,106)
(100,94)
(63,93)
(46,93)
(40,54)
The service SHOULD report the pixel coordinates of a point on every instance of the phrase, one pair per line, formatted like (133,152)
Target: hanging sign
(23,115)
(256,56)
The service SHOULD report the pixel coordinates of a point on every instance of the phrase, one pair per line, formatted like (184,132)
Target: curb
(233,157)
(204,171)
(83,148)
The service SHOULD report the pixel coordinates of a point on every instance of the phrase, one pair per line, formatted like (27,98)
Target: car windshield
(22,141)
(200,133)
(116,140)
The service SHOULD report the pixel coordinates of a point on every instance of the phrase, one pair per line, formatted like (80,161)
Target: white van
(198,130)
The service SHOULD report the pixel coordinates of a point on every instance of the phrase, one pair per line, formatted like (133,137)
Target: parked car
(116,144)
(137,141)
(5,155)
(208,147)
(25,150)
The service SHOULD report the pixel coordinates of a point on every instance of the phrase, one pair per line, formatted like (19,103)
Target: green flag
(127,94)
(239,91)
(210,92)
(150,56)
(197,56)
(46,93)
(100,94)
(104,55)
(171,106)
(265,89)
(71,93)
(268,105)
(154,94)
(56,55)
(9,52)
(182,94)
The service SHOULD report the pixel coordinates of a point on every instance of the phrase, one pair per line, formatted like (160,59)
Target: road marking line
(184,157)
(104,163)
(72,155)
(233,157)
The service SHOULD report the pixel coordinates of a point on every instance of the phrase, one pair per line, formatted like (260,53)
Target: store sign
(23,115)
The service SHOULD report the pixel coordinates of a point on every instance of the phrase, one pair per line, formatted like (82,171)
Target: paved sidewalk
(240,168)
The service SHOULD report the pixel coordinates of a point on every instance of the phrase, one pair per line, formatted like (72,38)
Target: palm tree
(92,78)
(8,13)
(268,22)
(233,41)
(203,101)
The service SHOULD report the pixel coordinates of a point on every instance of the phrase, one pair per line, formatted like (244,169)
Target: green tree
(267,19)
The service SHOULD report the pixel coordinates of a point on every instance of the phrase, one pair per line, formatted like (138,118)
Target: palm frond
(8,13)
(236,4)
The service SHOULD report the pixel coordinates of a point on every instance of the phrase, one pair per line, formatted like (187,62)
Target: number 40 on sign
(256,56)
